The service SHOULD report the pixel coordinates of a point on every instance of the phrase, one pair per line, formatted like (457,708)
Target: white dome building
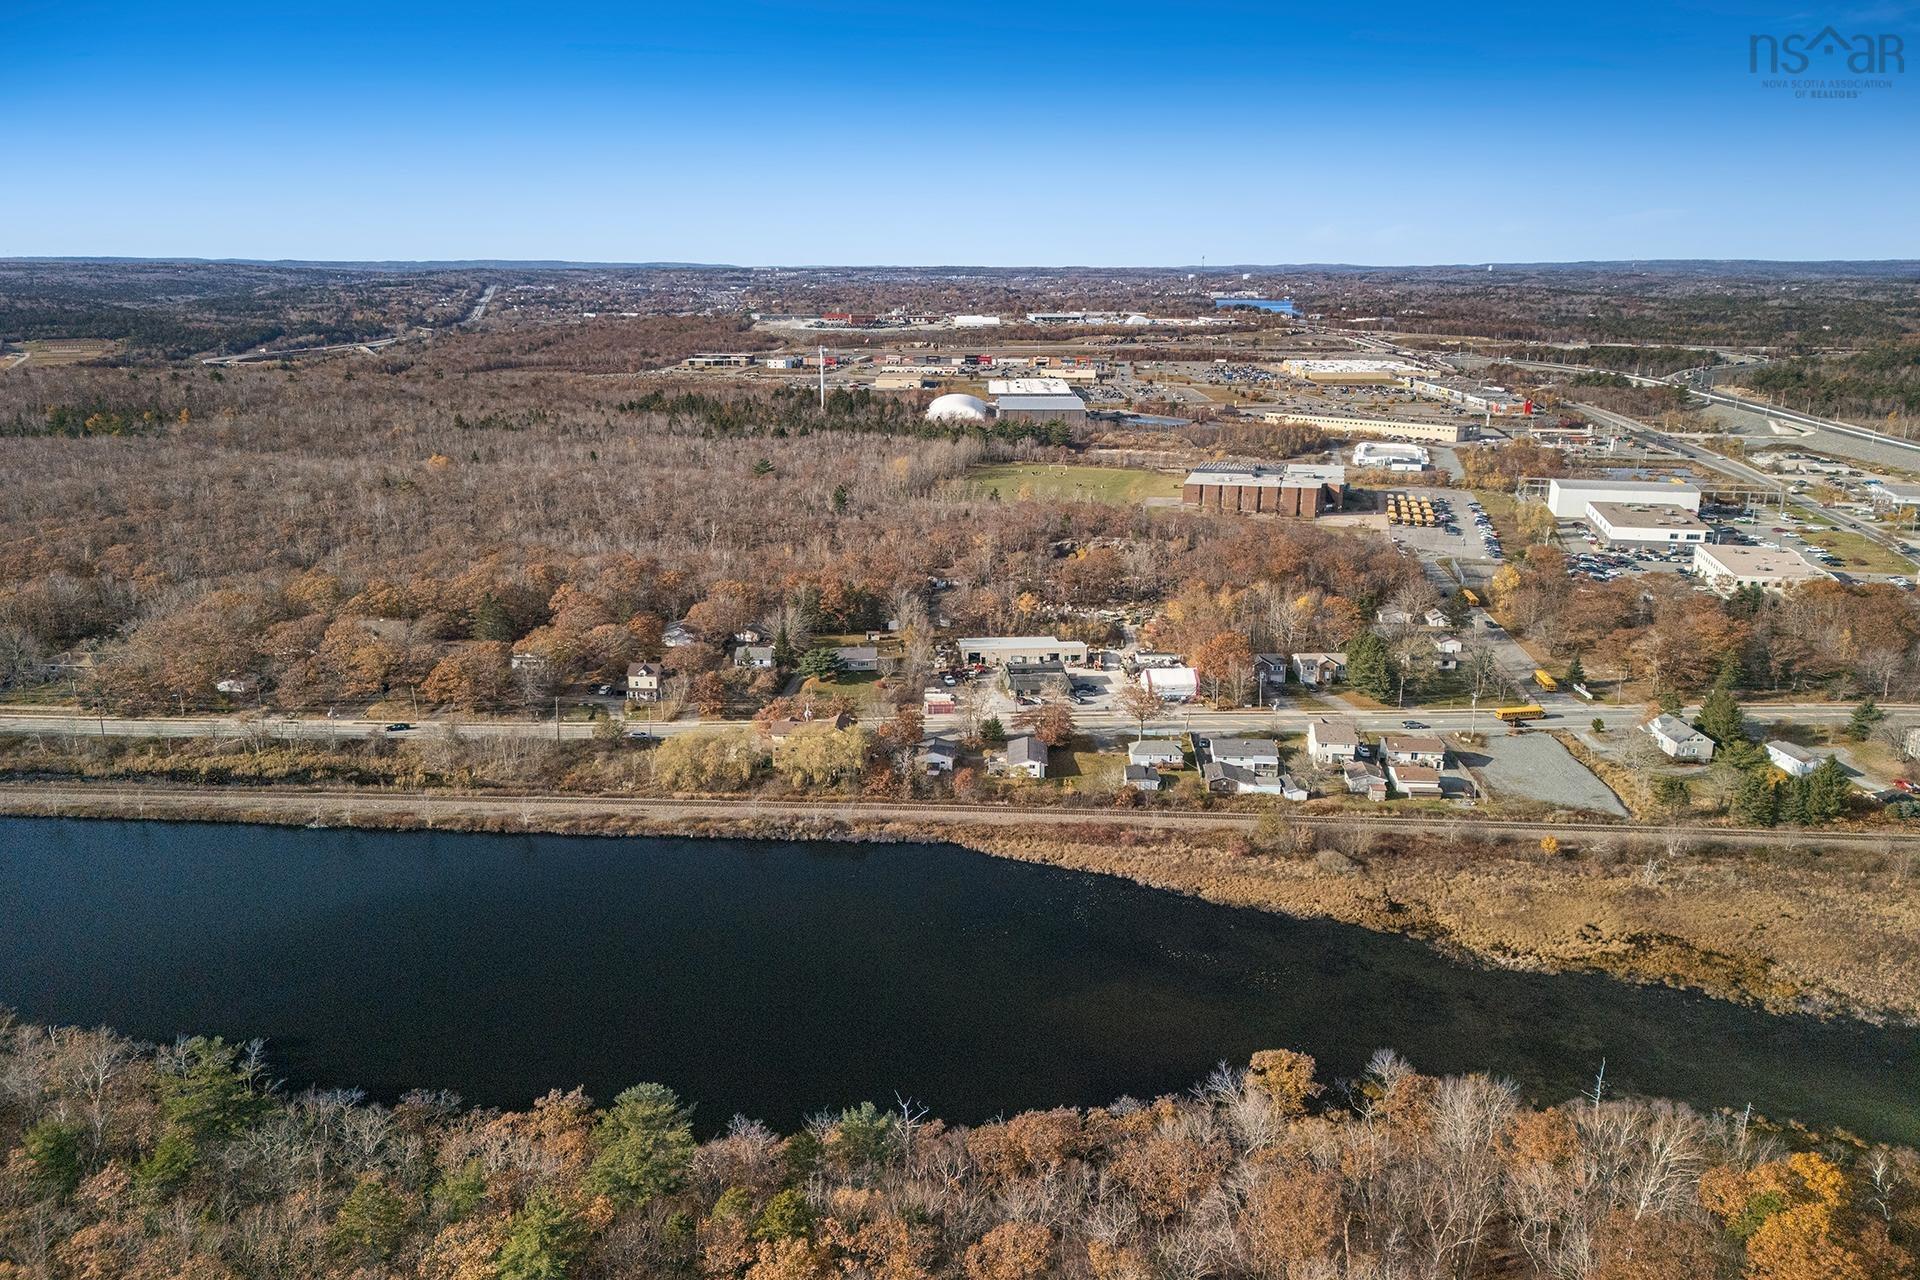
(957,406)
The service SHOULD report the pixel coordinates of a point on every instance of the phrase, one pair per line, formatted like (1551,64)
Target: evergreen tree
(1668,700)
(786,1217)
(1670,792)
(53,1152)
(546,1239)
(1728,677)
(169,1165)
(372,1220)
(1866,717)
(1827,789)
(646,1146)
(1369,668)
(1721,717)
(490,621)
(1754,802)
(840,499)
(209,1095)
(1795,803)
(822,664)
(992,731)
(1576,673)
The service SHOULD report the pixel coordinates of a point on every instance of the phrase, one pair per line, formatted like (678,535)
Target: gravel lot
(1537,767)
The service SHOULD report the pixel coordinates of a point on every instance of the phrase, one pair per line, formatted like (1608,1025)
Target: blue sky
(995,133)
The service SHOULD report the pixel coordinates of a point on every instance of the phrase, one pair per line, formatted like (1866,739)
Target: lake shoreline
(1832,937)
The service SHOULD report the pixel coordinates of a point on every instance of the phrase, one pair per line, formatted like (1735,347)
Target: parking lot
(1534,766)
(1463,533)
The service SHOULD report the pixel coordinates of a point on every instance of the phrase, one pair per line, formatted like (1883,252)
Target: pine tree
(1866,717)
(1721,717)
(1576,674)
(1369,668)
(1670,792)
(1795,803)
(1754,802)
(490,621)
(1827,788)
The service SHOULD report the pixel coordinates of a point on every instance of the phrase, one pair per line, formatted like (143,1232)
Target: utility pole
(556,718)
(823,379)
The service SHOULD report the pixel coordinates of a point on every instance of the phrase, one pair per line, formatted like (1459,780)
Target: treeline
(1873,384)
(797,411)
(132,1162)
(1646,362)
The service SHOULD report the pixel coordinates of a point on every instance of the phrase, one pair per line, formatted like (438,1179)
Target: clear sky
(982,133)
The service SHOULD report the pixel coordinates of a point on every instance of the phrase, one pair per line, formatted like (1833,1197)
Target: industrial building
(1295,490)
(902,382)
(1057,407)
(1048,386)
(1726,569)
(1391,428)
(1391,457)
(1349,372)
(1645,523)
(719,360)
(976,322)
(1569,499)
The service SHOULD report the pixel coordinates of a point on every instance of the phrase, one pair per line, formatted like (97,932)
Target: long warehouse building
(1569,499)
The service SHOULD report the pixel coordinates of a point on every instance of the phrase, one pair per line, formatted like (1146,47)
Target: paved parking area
(1534,766)
(1468,543)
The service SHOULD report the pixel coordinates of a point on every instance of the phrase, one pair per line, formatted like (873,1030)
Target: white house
(1332,741)
(1156,753)
(938,755)
(859,657)
(1794,761)
(1414,779)
(1172,684)
(1414,748)
(754,657)
(1365,778)
(1142,777)
(1314,669)
(643,682)
(1679,739)
(1027,754)
(1446,652)
(1259,756)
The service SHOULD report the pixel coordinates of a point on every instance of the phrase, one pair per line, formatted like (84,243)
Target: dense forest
(1882,382)
(185,1162)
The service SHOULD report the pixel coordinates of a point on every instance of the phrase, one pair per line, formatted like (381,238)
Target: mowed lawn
(1054,482)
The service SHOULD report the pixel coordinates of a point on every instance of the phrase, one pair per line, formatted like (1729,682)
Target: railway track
(17,798)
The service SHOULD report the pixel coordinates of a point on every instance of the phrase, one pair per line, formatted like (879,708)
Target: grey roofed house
(1155,751)
(758,656)
(1678,738)
(1143,777)
(939,754)
(1027,754)
(1261,755)
(859,657)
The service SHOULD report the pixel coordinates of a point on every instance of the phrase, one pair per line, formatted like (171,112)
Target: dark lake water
(776,979)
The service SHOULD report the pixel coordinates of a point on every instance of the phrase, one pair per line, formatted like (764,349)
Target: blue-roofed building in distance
(1282,306)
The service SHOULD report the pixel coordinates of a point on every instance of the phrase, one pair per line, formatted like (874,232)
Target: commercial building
(1895,494)
(1389,428)
(976,322)
(1349,372)
(1024,651)
(1047,386)
(901,382)
(718,360)
(1391,457)
(1726,569)
(1497,401)
(1295,490)
(1569,499)
(1171,684)
(957,407)
(1645,522)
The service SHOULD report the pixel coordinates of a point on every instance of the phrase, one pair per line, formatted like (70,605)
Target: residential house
(749,635)
(677,635)
(1233,779)
(1414,748)
(859,657)
(937,755)
(1291,789)
(1027,754)
(1678,738)
(1156,753)
(1173,684)
(1332,741)
(1414,779)
(1792,760)
(1446,652)
(1436,619)
(1143,777)
(1390,616)
(1318,669)
(1365,778)
(1269,673)
(643,681)
(1256,755)
(755,657)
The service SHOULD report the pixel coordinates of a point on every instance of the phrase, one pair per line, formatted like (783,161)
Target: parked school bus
(1544,680)
(1467,594)
(1514,715)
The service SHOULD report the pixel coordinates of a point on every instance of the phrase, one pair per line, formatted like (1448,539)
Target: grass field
(60,351)
(1024,481)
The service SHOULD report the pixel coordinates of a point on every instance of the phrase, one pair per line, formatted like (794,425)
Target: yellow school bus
(1514,715)
(1544,680)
